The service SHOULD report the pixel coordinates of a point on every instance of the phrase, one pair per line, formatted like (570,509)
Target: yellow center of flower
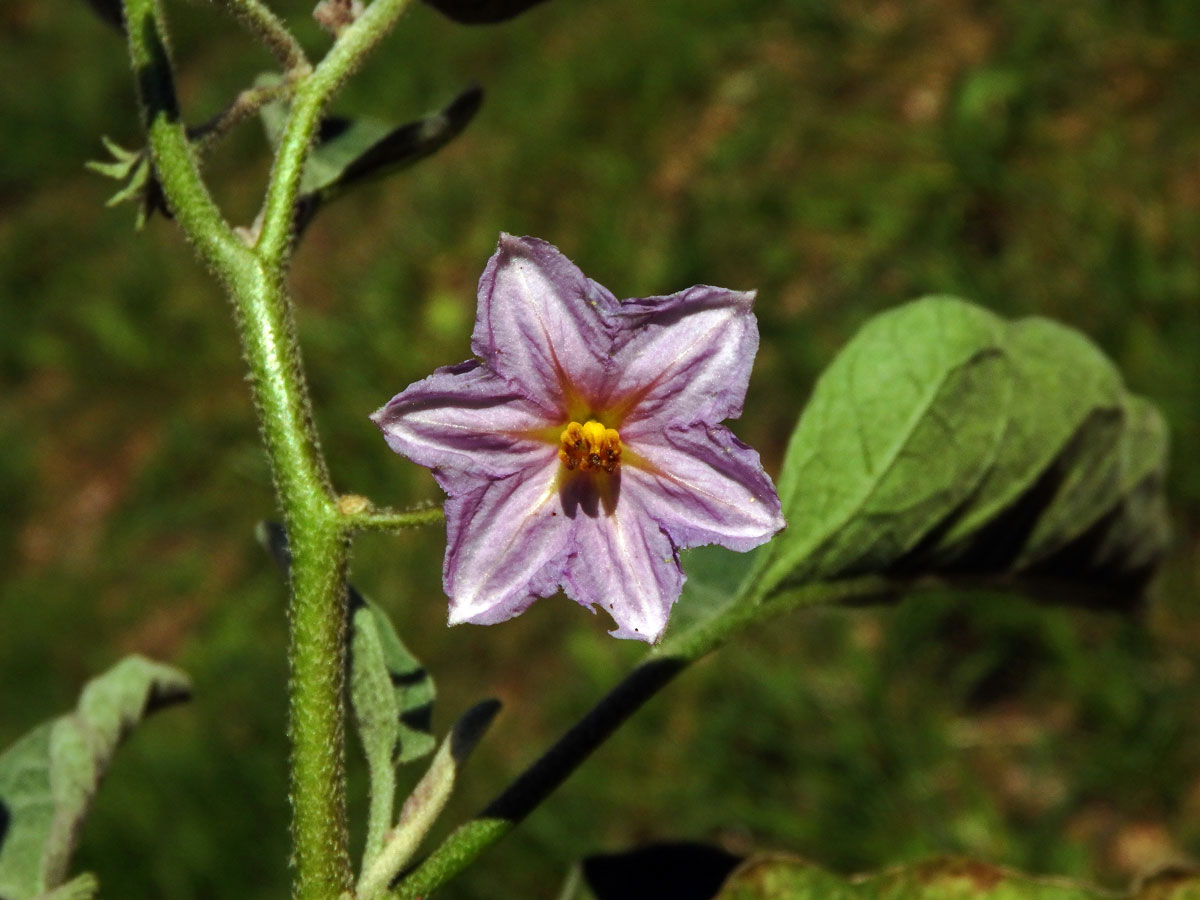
(590,446)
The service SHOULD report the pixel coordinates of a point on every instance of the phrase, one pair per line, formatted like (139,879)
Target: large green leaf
(788,878)
(48,778)
(944,440)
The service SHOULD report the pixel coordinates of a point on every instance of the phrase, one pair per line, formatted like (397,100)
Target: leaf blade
(877,413)
(945,441)
(49,777)
(426,802)
(349,152)
(391,697)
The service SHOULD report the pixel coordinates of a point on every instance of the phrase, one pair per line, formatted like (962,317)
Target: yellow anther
(590,446)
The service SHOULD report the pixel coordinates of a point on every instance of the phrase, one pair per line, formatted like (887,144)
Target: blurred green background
(841,158)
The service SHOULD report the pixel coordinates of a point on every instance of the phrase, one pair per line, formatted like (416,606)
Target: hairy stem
(393,519)
(244,105)
(537,782)
(317,527)
(174,161)
(269,29)
(311,98)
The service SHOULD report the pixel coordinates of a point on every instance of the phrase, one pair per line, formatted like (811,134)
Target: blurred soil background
(840,157)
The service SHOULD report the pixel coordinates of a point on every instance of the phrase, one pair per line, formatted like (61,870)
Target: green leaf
(349,152)
(946,441)
(48,778)
(352,151)
(789,878)
(141,187)
(386,678)
(426,802)
(391,695)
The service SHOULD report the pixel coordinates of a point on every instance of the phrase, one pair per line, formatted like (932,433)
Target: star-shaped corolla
(583,448)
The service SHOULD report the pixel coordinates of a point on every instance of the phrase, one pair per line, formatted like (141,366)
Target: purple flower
(583,448)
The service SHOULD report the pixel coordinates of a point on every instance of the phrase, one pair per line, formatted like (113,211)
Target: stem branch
(244,105)
(532,786)
(268,28)
(312,96)
(393,519)
(316,528)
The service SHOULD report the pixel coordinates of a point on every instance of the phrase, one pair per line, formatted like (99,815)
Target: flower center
(590,446)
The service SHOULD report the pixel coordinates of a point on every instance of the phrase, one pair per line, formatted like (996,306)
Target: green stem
(312,96)
(532,786)
(316,529)
(174,161)
(269,29)
(393,519)
(244,105)
(320,839)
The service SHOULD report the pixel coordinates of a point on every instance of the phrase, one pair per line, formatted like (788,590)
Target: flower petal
(704,486)
(625,562)
(506,545)
(543,324)
(683,358)
(465,419)
(557,347)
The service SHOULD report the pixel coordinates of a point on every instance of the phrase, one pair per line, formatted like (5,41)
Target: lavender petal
(506,544)
(625,563)
(543,324)
(683,358)
(466,420)
(704,486)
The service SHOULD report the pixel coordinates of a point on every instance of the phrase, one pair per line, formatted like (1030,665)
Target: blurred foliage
(780,878)
(693,871)
(49,777)
(840,157)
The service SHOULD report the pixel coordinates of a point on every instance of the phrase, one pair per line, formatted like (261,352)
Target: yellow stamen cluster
(590,446)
